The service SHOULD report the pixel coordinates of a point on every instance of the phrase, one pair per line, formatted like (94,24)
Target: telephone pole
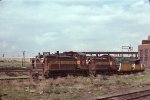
(23,59)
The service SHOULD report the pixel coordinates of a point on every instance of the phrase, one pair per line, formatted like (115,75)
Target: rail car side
(132,66)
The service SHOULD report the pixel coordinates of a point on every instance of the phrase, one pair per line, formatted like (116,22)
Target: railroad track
(28,71)
(25,78)
(12,69)
(138,95)
(15,69)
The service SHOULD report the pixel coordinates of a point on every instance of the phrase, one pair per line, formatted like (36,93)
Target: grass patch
(69,88)
(14,63)
(14,91)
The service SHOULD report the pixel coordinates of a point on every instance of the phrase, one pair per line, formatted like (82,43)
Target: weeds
(13,63)
(69,88)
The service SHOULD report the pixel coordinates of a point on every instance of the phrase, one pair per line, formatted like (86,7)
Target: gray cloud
(81,25)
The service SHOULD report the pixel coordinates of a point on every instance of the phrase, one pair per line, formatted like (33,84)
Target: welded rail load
(128,96)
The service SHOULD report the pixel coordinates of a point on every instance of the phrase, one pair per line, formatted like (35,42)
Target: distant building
(144,52)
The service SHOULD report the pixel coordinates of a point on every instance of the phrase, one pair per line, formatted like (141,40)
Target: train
(76,63)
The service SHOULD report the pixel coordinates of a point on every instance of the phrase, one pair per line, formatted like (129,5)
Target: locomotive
(102,64)
(49,65)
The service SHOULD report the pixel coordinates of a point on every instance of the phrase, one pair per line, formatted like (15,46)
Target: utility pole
(23,59)
(3,57)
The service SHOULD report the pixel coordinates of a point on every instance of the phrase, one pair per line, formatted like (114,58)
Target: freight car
(131,66)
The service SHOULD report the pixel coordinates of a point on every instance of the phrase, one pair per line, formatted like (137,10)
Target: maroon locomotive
(74,63)
(102,64)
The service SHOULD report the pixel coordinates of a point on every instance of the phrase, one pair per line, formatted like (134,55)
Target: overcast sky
(78,25)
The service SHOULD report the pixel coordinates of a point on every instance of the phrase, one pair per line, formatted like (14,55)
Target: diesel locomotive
(77,63)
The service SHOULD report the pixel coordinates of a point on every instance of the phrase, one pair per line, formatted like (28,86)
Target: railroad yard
(17,85)
(74,50)
(53,77)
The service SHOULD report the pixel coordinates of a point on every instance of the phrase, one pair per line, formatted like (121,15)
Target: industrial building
(144,52)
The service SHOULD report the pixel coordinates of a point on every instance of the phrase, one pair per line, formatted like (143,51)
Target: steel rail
(13,78)
(15,69)
(127,96)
